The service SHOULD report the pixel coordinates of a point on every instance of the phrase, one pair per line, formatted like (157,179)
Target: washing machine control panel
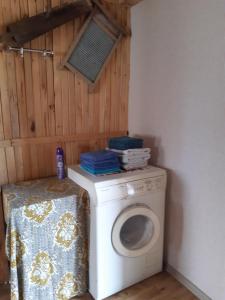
(154,184)
(133,188)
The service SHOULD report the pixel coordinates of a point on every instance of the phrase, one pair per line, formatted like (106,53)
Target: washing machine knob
(130,189)
(149,184)
(158,183)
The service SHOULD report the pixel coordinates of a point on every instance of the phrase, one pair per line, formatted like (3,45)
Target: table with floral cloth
(47,239)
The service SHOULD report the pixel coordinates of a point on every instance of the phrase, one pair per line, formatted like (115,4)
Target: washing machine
(126,227)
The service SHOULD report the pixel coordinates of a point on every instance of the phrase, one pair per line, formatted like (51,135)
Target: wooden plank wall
(42,107)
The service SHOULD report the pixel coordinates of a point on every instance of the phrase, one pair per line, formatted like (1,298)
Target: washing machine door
(135,231)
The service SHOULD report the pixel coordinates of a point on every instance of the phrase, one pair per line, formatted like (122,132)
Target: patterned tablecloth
(47,242)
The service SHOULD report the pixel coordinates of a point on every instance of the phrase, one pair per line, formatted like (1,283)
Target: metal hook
(22,52)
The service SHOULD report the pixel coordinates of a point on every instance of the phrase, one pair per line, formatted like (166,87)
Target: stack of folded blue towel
(100,162)
(125,142)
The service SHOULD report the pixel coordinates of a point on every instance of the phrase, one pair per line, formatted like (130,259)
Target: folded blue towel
(100,172)
(100,166)
(101,162)
(125,142)
(98,156)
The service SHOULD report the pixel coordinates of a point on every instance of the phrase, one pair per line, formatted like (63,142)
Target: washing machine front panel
(135,231)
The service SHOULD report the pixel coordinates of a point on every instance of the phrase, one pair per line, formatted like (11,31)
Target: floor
(158,287)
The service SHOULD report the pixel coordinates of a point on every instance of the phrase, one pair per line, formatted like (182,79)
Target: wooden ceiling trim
(128,3)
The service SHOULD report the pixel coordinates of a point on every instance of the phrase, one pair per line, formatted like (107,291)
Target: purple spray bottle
(60,163)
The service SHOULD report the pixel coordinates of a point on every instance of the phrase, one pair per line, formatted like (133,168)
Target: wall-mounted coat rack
(45,53)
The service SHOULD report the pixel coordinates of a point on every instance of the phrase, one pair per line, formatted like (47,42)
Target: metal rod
(22,50)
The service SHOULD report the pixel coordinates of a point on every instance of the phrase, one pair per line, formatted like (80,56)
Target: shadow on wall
(154,144)
(174,216)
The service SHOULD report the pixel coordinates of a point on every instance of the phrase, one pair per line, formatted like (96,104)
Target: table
(4,268)
(47,239)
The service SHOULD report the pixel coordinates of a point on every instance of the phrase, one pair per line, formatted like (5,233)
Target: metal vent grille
(91,52)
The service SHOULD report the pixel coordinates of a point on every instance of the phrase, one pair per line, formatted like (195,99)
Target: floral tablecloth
(47,239)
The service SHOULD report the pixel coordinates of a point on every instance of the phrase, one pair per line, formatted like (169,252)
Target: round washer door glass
(135,231)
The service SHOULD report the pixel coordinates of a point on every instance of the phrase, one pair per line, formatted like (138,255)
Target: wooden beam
(111,19)
(69,138)
(29,28)
(5,143)
(132,2)
(57,139)
(128,3)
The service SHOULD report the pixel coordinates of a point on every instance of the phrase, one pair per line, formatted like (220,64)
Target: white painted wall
(177,101)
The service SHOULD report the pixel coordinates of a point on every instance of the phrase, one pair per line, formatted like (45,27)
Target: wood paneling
(43,106)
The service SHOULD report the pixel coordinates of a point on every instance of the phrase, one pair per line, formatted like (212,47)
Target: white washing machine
(126,227)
